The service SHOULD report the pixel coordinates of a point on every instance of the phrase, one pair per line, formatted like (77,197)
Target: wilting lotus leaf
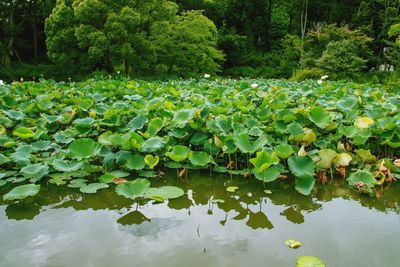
(363,122)
(326,158)
(301,166)
(264,160)
(67,166)
(362,177)
(133,189)
(35,171)
(284,151)
(309,136)
(304,184)
(84,148)
(365,155)
(232,189)
(201,158)
(268,175)
(23,132)
(152,145)
(22,191)
(320,117)
(137,123)
(293,243)
(182,117)
(92,188)
(164,192)
(179,153)
(135,162)
(151,161)
(309,261)
(342,160)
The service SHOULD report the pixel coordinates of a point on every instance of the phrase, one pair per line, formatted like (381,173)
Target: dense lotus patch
(102,133)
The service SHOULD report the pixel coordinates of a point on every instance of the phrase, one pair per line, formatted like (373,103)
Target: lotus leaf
(151,161)
(326,158)
(320,117)
(133,189)
(362,177)
(301,166)
(92,188)
(84,148)
(284,151)
(23,132)
(135,162)
(363,122)
(264,160)
(152,145)
(309,261)
(179,153)
(164,192)
(22,191)
(201,158)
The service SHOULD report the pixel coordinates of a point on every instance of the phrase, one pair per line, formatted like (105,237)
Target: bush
(243,71)
(340,59)
(309,73)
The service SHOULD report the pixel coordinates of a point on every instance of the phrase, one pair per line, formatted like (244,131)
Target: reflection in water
(208,226)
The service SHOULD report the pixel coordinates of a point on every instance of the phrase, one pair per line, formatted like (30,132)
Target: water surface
(62,227)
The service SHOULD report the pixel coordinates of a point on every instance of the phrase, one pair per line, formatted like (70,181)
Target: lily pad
(293,243)
(23,132)
(179,153)
(133,189)
(200,158)
(309,261)
(135,162)
(92,188)
(301,166)
(22,191)
(151,161)
(164,192)
(232,189)
(152,145)
(67,166)
(84,148)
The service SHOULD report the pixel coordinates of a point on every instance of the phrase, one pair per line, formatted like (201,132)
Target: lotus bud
(92,114)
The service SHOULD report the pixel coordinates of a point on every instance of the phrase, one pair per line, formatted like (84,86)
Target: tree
(394,31)
(187,45)
(103,33)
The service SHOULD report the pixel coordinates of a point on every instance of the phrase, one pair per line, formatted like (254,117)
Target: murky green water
(62,227)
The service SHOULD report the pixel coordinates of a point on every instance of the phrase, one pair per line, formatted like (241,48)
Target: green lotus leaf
(137,123)
(295,129)
(152,145)
(15,115)
(242,141)
(92,188)
(41,145)
(151,161)
(2,182)
(182,117)
(362,137)
(362,177)
(304,184)
(119,174)
(67,166)
(293,243)
(284,151)
(320,117)
(348,104)
(309,136)
(84,148)
(164,192)
(133,189)
(22,191)
(264,160)
(232,189)
(135,162)
(35,171)
(136,140)
(309,261)
(77,183)
(179,153)
(154,126)
(104,138)
(301,166)
(107,178)
(4,159)
(343,160)
(200,158)
(85,122)
(198,139)
(23,133)
(365,155)
(269,175)
(326,158)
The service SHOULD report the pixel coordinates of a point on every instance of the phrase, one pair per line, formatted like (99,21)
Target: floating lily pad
(133,189)
(309,261)
(92,188)
(293,243)
(21,192)
(151,161)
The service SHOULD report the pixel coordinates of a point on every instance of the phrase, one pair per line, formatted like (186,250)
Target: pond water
(62,227)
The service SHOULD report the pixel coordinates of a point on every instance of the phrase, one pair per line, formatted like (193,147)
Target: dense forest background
(295,39)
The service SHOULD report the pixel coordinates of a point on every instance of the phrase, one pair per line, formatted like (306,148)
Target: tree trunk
(10,46)
(35,41)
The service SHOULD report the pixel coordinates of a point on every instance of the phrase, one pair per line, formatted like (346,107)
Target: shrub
(309,73)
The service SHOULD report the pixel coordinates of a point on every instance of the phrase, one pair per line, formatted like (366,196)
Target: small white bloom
(320,82)
(207,76)
(118,72)
(1,82)
(254,85)
(324,77)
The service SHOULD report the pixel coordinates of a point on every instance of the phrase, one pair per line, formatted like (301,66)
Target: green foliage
(186,45)
(394,31)
(340,59)
(308,73)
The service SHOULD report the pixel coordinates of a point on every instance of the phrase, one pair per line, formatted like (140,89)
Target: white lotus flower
(207,76)
(254,85)
(320,82)
(324,77)
(1,82)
